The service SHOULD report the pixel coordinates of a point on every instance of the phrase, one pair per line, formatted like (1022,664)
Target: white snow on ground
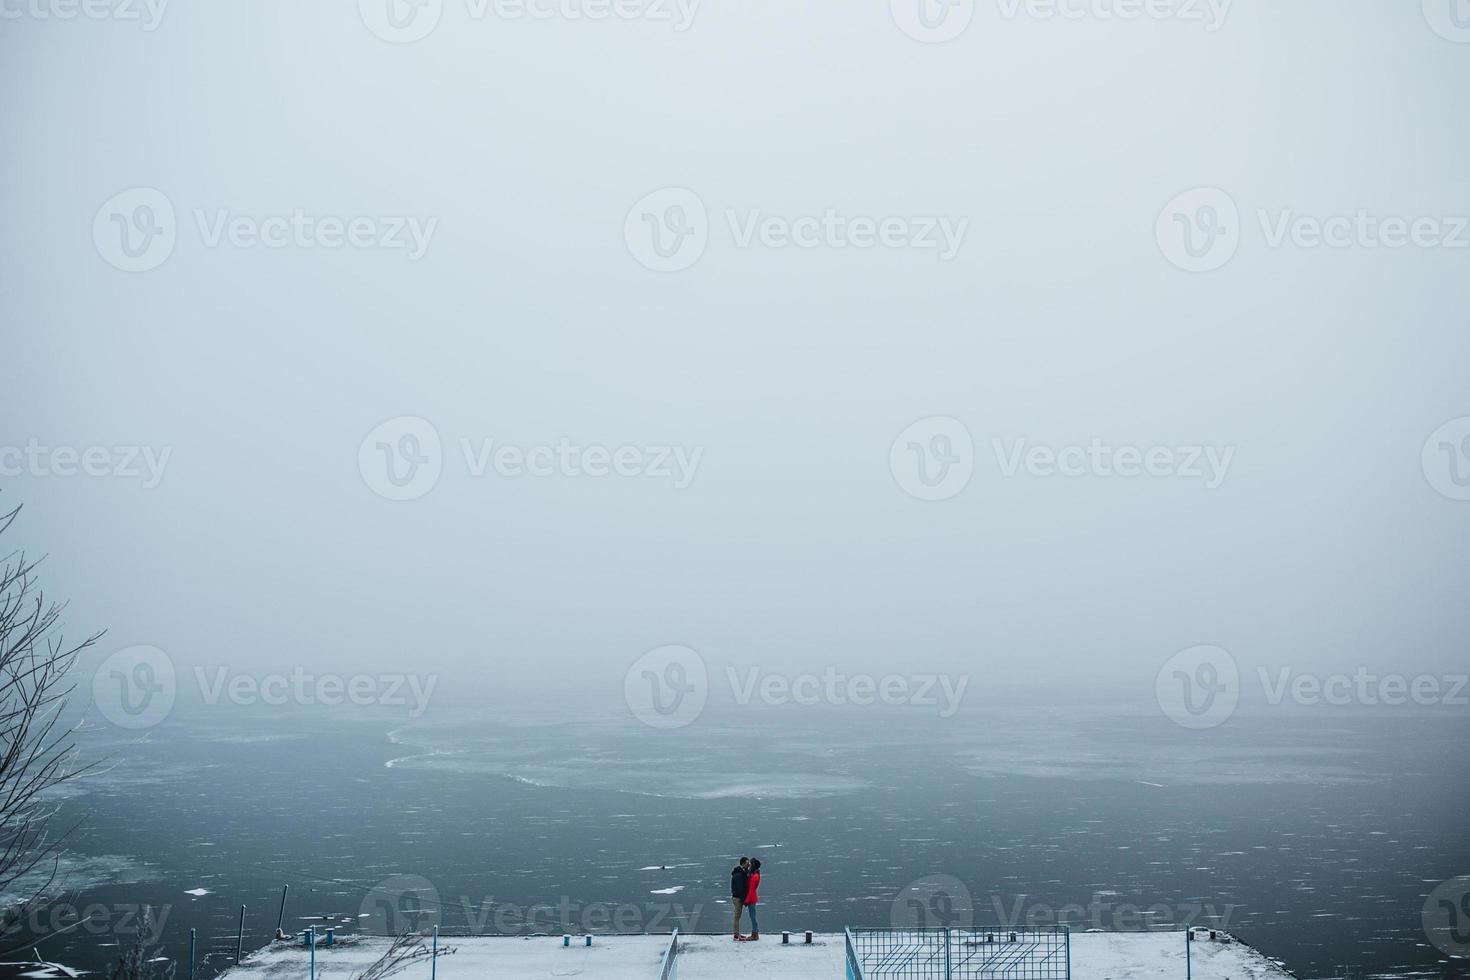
(668,891)
(198,892)
(1095,956)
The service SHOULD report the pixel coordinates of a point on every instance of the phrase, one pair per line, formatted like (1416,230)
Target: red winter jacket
(751,898)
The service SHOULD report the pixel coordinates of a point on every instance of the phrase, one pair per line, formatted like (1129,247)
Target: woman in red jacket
(752,899)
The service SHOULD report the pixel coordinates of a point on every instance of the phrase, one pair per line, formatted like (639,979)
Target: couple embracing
(745,882)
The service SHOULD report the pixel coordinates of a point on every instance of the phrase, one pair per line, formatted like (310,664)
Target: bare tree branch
(405,951)
(37,753)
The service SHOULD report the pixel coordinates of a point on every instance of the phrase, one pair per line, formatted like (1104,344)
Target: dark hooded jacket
(739,882)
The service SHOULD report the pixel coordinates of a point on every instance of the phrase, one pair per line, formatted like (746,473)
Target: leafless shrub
(402,953)
(36,751)
(139,963)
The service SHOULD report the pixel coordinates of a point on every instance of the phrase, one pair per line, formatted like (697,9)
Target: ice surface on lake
(609,761)
(77,872)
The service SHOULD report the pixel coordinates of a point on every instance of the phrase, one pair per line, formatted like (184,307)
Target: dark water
(1314,835)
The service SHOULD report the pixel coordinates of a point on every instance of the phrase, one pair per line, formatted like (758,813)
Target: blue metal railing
(854,969)
(669,970)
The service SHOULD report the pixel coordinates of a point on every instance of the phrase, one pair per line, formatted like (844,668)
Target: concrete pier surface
(1095,956)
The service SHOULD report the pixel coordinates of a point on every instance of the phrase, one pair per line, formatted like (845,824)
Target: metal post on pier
(1067,939)
(191,954)
(281,919)
(1188,955)
(948,956)
(240,937)
(434,955)
(311,941)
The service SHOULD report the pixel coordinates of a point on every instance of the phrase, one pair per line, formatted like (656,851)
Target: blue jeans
(755,926)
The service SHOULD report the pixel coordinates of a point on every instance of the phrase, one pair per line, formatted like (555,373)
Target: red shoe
(740,939)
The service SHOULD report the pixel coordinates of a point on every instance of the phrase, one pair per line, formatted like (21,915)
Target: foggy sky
(528,320)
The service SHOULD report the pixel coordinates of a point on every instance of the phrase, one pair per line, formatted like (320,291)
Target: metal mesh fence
(1014,954)
(913,953)
(963,954)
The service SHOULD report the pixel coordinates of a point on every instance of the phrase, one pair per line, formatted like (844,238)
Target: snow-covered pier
(1093,956)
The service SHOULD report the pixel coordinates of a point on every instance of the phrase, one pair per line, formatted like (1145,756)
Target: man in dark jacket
(739,882)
